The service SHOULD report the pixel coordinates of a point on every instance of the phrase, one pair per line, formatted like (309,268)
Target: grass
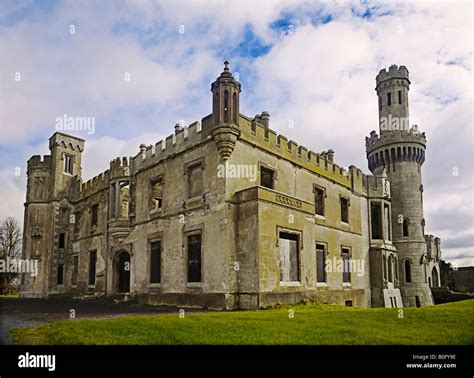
(17,295)
(450,323)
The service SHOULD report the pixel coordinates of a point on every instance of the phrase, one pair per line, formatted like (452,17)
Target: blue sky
(310,64)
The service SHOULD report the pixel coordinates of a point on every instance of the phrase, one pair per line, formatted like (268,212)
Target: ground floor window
(92,267)
(60,278)
(346,265)
(155,261)
(321,262)
(289,257)
(194,258)
(75,270)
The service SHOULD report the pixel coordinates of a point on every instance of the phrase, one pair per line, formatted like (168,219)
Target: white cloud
(322,77)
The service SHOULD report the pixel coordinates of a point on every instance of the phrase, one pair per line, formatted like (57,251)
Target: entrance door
(123,272)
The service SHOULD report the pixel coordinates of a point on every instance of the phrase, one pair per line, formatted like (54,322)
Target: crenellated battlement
(183,138)
(255,132)
(95,184)
(413,135)
(394,72)
(38,162)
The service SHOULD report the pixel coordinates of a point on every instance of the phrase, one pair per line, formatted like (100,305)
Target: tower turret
(225,111)
(392,90)
(400,150)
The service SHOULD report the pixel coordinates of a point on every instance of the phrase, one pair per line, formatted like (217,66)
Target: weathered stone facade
(225,213)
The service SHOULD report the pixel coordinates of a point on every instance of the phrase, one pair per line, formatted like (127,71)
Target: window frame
(322,190)
(189,234)
(325,255)
(68,166)
(269,169)
(346,273)
(92,284)
(298,235)
(348,202)
(156,180)
(160,276)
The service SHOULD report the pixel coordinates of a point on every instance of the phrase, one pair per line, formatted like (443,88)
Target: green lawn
(312,324)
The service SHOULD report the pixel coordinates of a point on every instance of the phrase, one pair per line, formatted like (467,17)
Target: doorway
(122,270)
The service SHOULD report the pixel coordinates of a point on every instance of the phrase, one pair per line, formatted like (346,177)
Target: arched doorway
(122,272)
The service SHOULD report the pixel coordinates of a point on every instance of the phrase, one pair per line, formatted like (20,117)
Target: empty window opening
(289,257)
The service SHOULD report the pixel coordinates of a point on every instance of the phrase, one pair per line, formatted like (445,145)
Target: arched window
(226,106)
(406,222)
(407,271)
(235,108)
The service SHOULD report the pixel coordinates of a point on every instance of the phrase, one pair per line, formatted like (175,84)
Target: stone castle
(226,214)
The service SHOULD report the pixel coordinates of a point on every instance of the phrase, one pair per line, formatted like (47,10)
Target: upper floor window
(405,224)
(389,99)
(68,161)
(62,240)
(344,209)
(399,97)
(195,180)
(156,200)
(94,215)
(267,177)
(376,220)
(319,195)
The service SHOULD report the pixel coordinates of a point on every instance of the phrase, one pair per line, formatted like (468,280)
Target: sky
(140,67)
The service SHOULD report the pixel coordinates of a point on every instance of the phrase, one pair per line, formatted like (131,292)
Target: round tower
(400,150)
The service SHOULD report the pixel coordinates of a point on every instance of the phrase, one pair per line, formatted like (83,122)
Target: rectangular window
(68,159)
(376,220)
(64,215)
(321,262)
(267,177)
(195,180)
(155,261)
(319,194)
(389,99)
(62,240)
(344,209)
(60,277)
(346,265)
(77,222)
(194,258)
(75,270)
(289,257)
(113,199)
(399,97)
(94,215)
(92,267)
(156,198)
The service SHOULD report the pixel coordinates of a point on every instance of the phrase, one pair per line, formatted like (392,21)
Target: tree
(10,248)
